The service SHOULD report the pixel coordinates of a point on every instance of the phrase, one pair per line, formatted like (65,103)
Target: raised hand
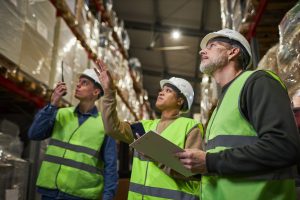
(58,92)
(104,77)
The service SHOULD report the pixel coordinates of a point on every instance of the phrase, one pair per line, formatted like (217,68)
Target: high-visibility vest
(72,162)
(148,181)
(227,128)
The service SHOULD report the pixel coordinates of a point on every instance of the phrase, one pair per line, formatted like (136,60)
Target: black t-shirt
(266,105)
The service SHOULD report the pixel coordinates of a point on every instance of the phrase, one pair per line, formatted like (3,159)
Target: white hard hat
(92,75)
(231,34)
(183,86)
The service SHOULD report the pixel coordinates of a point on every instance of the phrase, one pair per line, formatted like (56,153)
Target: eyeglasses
(213,45)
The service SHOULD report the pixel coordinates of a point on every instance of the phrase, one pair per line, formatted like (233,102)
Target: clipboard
(161,150)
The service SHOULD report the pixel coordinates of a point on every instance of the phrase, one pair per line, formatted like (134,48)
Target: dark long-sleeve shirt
(42,127)
(266,105)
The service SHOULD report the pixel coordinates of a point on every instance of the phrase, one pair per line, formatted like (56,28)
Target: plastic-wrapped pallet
(269,61)
(289,48)
(123,112)
(37,41)
(94,37)
(13,169)
(14,176)
(12,14)
(237,14)
(209,94)
(80,64)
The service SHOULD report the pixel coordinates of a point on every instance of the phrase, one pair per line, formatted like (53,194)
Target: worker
(149,179)
(251,142)
(80,161)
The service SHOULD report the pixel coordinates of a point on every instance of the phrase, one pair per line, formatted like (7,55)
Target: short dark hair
(244,57)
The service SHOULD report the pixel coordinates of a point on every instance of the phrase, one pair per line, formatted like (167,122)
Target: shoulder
(261,76)
(192,123)
(260,81)
(261,88)
(66,110)
(190,120)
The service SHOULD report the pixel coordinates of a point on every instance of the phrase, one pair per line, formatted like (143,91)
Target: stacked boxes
(38,43)
(12,15)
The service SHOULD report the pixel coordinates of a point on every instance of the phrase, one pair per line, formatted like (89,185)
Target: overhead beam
(160,28)
(159,74)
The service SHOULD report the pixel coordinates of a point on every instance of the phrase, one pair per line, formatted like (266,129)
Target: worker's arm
(43,123)
(110,174)
(44,120)
(112,124)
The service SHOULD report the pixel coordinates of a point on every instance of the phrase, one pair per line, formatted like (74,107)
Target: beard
(213,64)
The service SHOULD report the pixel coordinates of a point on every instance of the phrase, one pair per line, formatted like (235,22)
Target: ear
(96,92)
(234,52)
(180,101)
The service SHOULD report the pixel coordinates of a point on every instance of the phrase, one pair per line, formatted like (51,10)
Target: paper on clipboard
(160,150)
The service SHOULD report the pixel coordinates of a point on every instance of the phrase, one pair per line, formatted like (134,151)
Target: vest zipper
(146,175)
(215,113)
(145,178)
(64,156)
(217,108)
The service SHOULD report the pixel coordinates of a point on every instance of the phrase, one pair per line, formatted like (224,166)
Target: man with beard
(149,179)
(251,142)
(80,161)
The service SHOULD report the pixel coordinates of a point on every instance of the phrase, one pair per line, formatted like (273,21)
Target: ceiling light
(176,34)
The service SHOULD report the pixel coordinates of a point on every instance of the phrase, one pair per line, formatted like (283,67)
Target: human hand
(194,160)
(59,91)
(104,77)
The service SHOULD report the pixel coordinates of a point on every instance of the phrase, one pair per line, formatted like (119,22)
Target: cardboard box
(36,55)
(12,27)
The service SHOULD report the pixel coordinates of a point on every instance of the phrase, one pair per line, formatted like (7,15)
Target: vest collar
(93,112)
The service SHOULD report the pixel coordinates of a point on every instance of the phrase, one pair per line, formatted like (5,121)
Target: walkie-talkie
(62,75)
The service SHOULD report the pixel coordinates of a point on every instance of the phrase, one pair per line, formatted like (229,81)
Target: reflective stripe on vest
(72,163)
(74,147)
(230,141)
(161,192)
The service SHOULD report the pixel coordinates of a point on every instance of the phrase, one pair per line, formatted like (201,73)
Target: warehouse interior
(42,41)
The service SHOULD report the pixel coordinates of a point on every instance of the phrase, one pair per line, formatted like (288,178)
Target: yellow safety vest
(150,182)
(72,162)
